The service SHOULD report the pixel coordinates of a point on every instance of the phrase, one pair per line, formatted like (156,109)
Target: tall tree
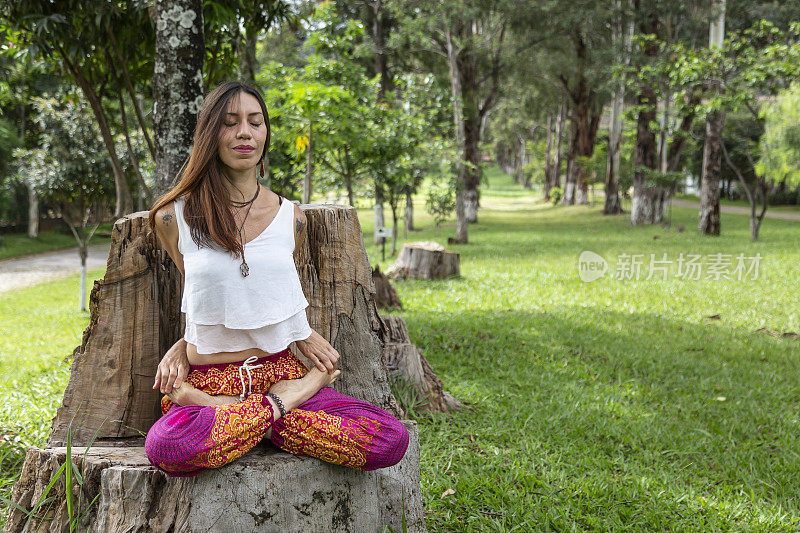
(49,30)
(623,34)
(709,221)
(470,36)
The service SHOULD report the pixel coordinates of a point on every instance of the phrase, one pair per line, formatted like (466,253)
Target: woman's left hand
(319,351)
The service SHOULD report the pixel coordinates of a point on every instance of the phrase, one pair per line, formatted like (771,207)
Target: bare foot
(293,392)
(189,395)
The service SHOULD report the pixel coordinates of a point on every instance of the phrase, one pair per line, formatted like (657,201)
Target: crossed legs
(327,425)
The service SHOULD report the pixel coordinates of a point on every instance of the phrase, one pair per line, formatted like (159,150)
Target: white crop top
(227,312)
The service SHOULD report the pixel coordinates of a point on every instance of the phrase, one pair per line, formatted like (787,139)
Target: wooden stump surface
(424,260)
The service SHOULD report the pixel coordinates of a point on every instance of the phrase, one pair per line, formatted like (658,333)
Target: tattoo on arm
(299,225)
(166,218)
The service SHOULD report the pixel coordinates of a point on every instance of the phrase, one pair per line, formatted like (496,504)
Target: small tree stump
(424,260)
(405,362)
(385,295)
(135,318)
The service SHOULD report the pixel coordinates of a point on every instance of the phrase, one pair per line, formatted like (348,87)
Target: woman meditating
(232,380)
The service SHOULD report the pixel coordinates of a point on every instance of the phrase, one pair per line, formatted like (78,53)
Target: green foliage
(780,144)
(555,194)
(69,167)
(440,201)
(753,62)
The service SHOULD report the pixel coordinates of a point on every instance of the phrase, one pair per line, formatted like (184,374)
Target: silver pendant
(244,269)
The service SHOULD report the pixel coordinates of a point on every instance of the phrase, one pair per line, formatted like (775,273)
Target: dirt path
(738,210)
(33,269)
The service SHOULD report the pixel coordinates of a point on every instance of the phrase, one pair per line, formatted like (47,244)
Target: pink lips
(244,149)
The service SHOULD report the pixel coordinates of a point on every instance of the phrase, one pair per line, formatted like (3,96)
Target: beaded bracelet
(279,402)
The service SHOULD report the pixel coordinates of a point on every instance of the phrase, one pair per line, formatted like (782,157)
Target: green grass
(743,203)
(19,244)
(604,406)
(39,327)
(599,406)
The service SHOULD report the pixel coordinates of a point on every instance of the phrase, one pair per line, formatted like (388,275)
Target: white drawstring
(246,366)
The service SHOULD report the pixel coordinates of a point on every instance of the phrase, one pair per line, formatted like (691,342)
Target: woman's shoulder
(165,218)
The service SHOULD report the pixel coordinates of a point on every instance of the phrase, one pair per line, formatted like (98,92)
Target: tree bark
(568,198)
(246,495)
(177,86)
(649,201)
(458,120)
(613,204)
(409,211)
(708,218)
(386,296)
(548,155)
(424,260)
(378,210)
(405,363)
(559,139)
(33,210)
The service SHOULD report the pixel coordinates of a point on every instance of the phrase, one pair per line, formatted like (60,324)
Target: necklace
(243,268)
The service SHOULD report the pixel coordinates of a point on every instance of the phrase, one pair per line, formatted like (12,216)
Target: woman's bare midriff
(220,357)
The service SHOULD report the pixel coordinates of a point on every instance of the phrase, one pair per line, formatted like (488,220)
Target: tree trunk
(424,260)
(708,219)
(646,207)
(458,120)
(405,363)
(649,201)
(386,296)
(568,198)
(83,251)
(308,180)
(559,138)
(613,204)
(409,211)
(33,210)
(247,56)
(177,86)
(246,495)
(472,173)
(135,318)
(548,155)
(378,208)
(587,121)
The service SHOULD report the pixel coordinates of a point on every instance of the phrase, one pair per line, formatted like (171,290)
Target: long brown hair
(207,210)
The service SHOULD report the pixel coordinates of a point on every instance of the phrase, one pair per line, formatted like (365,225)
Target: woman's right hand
(173,368)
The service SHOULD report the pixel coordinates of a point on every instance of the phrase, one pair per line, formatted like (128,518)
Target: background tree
(68,172)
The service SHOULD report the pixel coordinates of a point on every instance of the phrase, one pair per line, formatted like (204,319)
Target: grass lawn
(19,244)
(610,405)
(744,203)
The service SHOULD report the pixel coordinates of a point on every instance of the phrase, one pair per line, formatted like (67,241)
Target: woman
(235,241)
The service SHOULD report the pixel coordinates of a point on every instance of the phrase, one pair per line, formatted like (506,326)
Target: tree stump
(424,260)
(385,295)
(405,362)
(135,318)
